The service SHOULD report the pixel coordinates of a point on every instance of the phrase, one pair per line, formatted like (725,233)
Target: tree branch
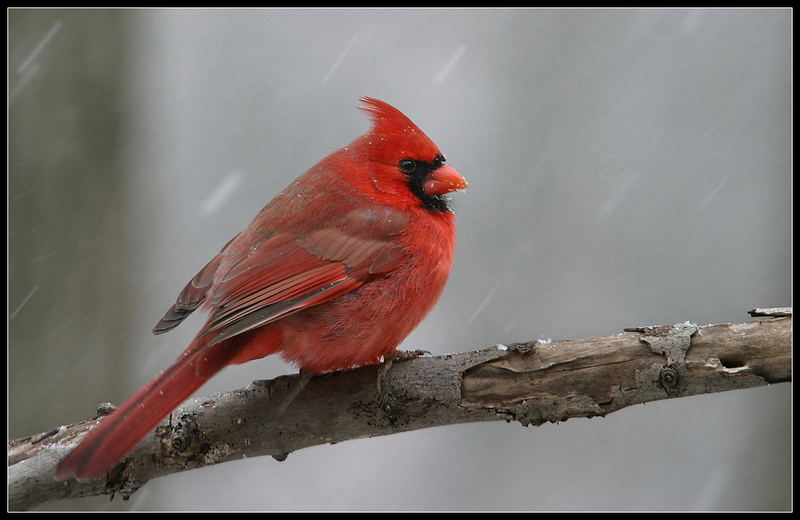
(531,383)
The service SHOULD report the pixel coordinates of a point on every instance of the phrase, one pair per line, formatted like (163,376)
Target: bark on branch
(531,383)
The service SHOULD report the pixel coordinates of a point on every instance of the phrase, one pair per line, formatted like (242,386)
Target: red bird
(332,274)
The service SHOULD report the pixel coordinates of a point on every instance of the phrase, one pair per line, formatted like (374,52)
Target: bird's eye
(407,165)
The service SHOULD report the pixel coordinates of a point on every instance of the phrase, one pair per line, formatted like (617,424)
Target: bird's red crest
(393,135)
(386,118)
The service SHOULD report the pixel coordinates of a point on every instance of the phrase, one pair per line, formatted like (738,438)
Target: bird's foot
(396,355)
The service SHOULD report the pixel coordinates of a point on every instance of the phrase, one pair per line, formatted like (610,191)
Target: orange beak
(443,179)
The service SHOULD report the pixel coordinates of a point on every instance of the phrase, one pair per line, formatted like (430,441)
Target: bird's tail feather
(120,432)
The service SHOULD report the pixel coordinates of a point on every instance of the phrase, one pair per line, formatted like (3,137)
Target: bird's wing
(289,272)
(192,295)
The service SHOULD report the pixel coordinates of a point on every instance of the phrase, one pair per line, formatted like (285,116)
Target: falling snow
(445,70)
(340,58)
(39,47)
(711,195)
(23,302)
(485,301)
(221,193)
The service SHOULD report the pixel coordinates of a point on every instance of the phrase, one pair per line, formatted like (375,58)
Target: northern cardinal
(332,274)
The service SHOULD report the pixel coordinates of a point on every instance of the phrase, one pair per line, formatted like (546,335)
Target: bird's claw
(405,355)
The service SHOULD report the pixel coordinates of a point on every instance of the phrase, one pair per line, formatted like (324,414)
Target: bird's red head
(406,155)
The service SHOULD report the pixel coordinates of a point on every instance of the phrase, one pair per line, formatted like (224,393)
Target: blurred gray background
(626,167)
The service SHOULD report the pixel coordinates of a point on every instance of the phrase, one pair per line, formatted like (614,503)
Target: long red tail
(121,431)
